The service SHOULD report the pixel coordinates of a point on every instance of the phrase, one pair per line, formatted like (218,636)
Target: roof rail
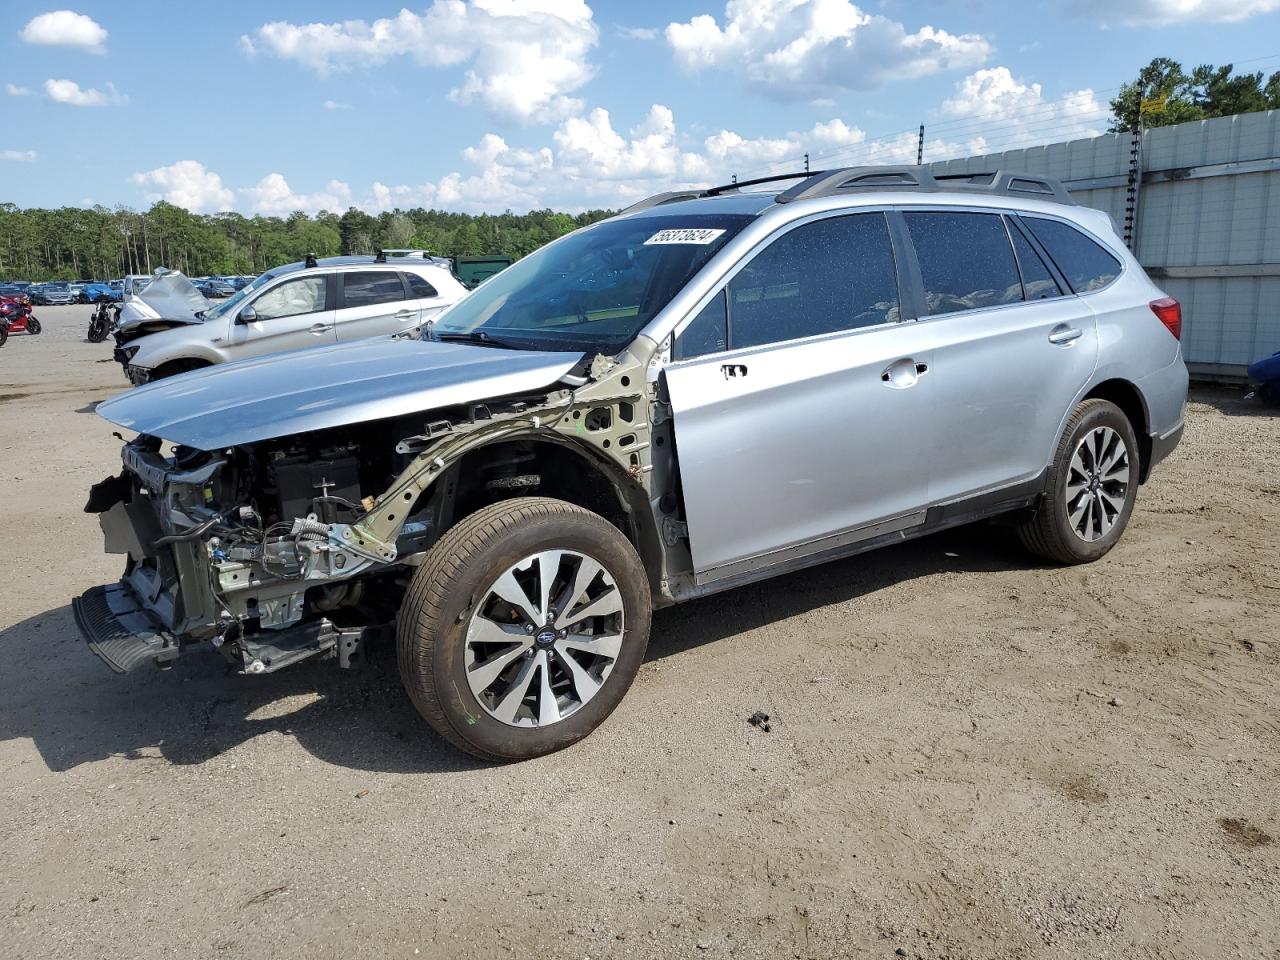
(921,179)
(674,196)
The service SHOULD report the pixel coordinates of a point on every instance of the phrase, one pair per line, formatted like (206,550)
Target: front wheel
(1093,484)
(4,334)
(33,325)
(523,628)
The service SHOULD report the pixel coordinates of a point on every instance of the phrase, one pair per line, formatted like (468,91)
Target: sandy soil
(971,755)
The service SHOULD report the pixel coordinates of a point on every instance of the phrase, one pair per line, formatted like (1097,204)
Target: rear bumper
(120,630)
(1161,447)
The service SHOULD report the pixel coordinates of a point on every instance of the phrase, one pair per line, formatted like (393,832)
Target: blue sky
(492,104)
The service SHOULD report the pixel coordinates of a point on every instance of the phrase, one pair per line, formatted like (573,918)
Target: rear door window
(367,288)
(822,277)
(1037,279)
(1085,263)
(966,261)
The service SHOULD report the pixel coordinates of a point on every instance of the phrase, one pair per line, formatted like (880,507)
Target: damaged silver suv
(711,388)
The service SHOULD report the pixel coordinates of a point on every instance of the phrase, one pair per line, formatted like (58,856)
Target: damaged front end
(278,550)
(249,549)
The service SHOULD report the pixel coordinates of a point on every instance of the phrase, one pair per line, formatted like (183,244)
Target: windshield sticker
(692,235)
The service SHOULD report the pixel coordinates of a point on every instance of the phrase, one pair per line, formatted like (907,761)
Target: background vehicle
(102,321)
(215,288)
(710,389)
(291,307)
(16,316)
(52,293)
(95,292)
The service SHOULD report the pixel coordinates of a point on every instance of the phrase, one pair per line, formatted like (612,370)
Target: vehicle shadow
(56,693)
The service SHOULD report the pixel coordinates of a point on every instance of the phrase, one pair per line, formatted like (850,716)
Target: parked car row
(114,291)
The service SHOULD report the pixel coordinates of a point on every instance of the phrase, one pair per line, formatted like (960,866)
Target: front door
(801,402)
(290,315)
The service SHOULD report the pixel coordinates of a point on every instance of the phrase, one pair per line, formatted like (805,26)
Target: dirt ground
(971,755)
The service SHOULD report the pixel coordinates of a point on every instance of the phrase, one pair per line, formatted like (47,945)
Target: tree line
(73,243)
(1165,93)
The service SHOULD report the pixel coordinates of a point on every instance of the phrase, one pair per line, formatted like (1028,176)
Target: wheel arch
(568,470)
(1125,395)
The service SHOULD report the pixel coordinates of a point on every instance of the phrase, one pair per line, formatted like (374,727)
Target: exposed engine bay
(284,549)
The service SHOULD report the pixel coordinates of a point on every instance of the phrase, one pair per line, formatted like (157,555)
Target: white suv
(312,303)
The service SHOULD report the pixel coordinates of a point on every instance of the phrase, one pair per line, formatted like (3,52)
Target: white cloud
(186,184)
(273,195)
(335,105)
(20,156)
(1005,113)
(799,49)
(65,28)
(68,91)
(638,33)
(523,56)
(13,90)
(1161,12)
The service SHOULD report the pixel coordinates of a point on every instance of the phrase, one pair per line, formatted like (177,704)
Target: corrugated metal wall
(1207,226)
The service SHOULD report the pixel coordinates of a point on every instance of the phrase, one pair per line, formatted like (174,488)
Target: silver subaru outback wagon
(711,388)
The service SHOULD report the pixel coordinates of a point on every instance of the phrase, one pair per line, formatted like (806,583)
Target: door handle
(405,314)
(903,373)
(733,370)
(319,328)
(1065,334)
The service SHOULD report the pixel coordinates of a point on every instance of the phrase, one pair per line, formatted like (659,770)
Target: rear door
(374,302)
(425,297)
(801,401)
(1012,349)
(292,314)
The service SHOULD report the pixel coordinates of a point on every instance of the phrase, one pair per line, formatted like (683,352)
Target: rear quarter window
(1085,263)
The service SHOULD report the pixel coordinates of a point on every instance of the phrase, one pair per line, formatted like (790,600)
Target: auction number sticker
(692,235)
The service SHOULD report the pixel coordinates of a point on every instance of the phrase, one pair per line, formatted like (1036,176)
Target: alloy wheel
(542,642)
(1097,483)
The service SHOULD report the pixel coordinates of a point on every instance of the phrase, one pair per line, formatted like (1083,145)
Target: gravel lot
(971,755)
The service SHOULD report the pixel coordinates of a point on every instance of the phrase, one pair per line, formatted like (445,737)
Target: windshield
(595,289)
(233,301)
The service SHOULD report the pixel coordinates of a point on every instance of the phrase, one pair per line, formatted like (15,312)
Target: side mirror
(247,315)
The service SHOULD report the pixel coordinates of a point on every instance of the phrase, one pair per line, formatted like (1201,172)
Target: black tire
(97,331)
(1050,533)
(456,576)
(33,325)
(4,334)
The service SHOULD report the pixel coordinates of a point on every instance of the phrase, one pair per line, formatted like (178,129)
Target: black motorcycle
(103,321)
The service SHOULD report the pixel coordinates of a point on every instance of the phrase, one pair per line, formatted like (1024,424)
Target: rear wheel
(1092,487)
(523,628)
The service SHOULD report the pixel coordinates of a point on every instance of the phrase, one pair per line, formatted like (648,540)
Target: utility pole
(735,179)
(806,163)
(920,147)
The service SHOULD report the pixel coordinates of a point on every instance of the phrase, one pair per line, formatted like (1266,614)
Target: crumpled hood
(170,296)
(287,393)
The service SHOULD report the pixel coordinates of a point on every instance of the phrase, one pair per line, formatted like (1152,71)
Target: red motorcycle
(16,317)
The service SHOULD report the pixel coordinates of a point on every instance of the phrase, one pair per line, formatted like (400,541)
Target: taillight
(1169,311)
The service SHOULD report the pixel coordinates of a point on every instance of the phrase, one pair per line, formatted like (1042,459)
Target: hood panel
(170,296)
(287,393)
